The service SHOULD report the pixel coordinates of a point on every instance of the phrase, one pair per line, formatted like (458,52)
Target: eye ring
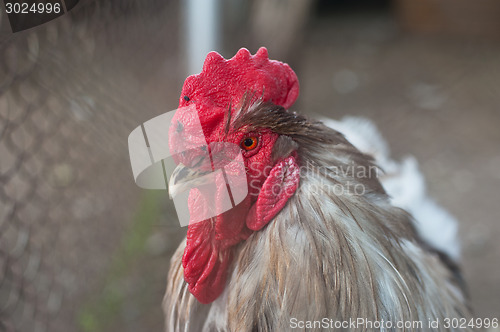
(249,143)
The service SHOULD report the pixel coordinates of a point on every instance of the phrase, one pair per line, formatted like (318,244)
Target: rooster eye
(249,143)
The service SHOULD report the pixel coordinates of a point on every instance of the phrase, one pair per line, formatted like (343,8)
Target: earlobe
(279,186)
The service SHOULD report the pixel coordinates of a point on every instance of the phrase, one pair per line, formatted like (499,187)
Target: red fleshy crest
(223,82)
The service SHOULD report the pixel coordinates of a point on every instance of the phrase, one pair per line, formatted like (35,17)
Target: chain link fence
(69,96)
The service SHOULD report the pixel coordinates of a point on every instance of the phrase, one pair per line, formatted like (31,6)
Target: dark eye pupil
(248,142)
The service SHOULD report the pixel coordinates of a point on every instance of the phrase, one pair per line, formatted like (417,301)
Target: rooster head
(234,101)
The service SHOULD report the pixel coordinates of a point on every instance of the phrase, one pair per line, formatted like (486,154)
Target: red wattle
(205,263)
(279,186)
(208,253)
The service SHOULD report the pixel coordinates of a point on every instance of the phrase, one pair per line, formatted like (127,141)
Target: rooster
(317,242)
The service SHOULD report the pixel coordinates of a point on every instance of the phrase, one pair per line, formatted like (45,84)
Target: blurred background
(82,248)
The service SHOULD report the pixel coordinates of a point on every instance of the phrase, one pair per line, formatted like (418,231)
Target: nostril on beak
(180,127)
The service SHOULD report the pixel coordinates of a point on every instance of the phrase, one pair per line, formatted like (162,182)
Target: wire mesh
(66,191)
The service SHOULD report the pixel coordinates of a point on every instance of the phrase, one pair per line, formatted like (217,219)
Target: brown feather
(338,256)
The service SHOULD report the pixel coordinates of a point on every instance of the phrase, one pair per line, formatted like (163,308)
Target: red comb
(223,82)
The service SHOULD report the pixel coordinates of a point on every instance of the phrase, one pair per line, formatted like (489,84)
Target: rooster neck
(326,255)
(339,257)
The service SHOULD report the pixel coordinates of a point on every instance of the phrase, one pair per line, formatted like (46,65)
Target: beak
(185,178)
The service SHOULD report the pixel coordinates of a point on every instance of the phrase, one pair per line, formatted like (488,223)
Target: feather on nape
(404,184)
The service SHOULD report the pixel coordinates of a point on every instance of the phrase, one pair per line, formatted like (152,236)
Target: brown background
(83,249)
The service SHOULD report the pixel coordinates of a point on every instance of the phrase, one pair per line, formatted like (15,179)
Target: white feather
(404,183)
